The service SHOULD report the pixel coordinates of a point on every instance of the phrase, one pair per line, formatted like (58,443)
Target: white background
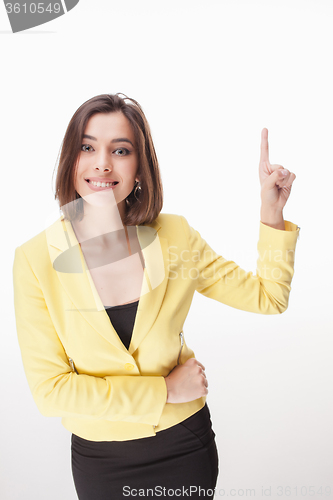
(209,75)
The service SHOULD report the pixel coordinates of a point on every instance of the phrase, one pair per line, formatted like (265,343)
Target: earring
(137,188)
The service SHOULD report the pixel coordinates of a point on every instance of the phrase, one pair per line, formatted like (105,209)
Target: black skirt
(181,461)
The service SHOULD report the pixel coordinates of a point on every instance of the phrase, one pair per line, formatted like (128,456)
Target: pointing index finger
(264,146)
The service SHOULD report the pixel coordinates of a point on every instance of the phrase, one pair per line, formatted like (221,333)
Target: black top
(122,318)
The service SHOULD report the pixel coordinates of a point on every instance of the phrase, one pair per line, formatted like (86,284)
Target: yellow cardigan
(76,365)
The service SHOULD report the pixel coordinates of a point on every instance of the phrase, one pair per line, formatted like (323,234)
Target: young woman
(101,297)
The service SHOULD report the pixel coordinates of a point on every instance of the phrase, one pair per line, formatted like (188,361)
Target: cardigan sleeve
(57,390)
(266,292)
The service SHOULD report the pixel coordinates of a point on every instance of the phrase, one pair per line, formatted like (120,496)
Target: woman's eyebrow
(121,139)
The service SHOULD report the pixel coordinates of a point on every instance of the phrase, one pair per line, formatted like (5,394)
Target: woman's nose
(103,163)
(102,169)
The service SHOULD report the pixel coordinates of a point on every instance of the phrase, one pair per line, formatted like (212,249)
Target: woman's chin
(100,199)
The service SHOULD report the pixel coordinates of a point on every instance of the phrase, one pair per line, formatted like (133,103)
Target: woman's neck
(98,221)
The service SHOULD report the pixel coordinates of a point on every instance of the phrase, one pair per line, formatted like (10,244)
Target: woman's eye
(85,147)
(122,151)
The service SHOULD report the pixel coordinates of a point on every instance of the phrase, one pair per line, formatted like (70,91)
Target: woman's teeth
(103,184)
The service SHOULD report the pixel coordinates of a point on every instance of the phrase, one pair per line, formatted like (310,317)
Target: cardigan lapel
(69,263)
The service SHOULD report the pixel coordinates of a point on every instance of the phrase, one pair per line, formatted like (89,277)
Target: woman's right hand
(186,382)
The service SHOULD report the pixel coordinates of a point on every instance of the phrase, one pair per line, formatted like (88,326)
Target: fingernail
(284,172)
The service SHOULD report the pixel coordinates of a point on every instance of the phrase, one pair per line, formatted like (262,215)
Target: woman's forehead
(109,126)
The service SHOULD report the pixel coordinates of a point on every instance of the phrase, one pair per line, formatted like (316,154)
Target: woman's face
(108,155)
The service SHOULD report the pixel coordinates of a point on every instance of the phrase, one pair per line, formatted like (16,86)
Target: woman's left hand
(275,181)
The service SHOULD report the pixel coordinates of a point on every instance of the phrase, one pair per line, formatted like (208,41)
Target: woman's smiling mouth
(97,185)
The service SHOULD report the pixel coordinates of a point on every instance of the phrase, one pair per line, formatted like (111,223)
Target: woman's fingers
(205,381)
(187,382)
(197,362)
(264,154)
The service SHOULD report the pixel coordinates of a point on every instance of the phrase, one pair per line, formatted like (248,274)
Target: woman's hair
(144,207)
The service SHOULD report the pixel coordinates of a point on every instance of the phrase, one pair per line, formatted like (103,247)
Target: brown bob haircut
(146,206)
